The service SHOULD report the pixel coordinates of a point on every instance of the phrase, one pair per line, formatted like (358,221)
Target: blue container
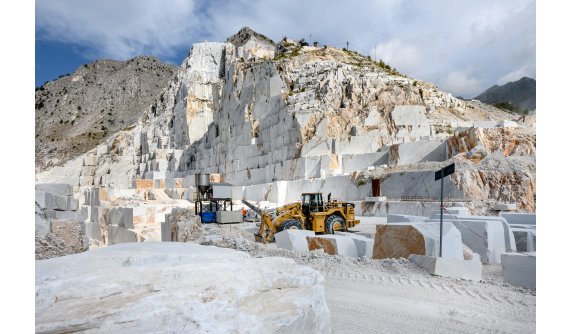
(208,217)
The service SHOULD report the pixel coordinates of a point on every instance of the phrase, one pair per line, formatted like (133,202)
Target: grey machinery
(211,197)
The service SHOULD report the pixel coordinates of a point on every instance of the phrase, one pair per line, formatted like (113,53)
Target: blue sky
(463,47)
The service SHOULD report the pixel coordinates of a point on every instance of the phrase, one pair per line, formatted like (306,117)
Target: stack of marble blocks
(58,202)
(493,239)
(96,172)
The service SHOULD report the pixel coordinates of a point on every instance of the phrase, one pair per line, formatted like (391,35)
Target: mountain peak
(245,34)
(518,96)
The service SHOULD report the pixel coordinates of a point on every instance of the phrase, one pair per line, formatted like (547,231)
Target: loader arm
(268,227)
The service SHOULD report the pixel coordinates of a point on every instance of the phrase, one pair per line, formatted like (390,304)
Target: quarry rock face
(77,111)
(152,287)
(312,113)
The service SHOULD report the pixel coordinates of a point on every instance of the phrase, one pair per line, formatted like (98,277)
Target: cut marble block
(295,240)
(63,189)
(120,217)
(73,204)
(394,218)
(525,239)
(375,199)
(119,235)
(86,180)
(519,269)
(505,206)
(74,215)
(90,160)
(519,218)
(403,239)
(44,199)
(364,245)
(333,245)
(453,268)
(227,217)
(61,203)
(486,238)
(92,230)
(143,183)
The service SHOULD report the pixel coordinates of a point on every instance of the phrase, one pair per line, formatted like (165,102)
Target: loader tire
(333,223)
(290,224)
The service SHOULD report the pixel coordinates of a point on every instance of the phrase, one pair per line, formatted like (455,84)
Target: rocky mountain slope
(257,113)
(76,112)
(518,96)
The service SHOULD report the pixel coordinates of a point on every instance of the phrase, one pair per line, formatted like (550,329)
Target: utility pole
(347,45)
(441,219)
(310,39)
(374,53)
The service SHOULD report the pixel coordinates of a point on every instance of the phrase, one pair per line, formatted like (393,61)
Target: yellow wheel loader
(310,214)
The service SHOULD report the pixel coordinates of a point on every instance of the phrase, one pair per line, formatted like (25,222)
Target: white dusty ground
(395,296)
(372,300)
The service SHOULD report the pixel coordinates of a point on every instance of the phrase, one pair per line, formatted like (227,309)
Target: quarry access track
(396,296)
(370,300)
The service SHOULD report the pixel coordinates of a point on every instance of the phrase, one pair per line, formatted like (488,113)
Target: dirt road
(396,296)
(375,301)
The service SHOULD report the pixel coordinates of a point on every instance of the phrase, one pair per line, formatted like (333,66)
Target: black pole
(441,219)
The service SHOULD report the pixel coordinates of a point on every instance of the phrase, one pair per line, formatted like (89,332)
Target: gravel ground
(395,296)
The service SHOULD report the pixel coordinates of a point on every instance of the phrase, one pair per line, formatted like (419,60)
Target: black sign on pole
(446,171)
(440,174)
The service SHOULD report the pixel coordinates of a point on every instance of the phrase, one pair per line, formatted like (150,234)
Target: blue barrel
(208,217)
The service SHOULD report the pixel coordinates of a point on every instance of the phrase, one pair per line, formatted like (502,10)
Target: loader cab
(312,202)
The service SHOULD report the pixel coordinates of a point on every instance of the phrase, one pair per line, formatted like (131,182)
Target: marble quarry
(277,125)
(256,122)
(120,248)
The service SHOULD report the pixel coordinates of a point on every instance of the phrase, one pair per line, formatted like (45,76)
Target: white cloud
(405,57)
(448,42)
(463,84)
(527,70)
(118,29)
